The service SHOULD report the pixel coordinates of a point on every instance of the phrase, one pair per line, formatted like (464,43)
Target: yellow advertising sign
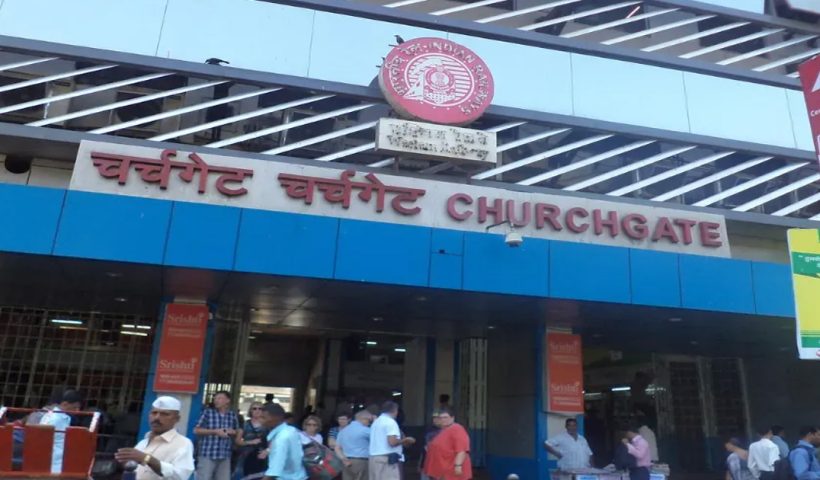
(804,250)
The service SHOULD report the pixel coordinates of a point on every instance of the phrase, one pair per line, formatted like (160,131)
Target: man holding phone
(216,429)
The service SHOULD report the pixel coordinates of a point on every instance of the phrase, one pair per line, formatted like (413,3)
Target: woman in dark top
(252,441)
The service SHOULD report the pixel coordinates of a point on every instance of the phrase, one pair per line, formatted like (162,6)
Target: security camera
(513,239)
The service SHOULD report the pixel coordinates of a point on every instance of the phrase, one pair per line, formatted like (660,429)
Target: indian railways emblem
(436,80)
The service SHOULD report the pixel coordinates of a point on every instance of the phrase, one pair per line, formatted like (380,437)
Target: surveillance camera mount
(505,222)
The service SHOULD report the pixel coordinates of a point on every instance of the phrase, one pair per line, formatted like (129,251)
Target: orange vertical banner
(181,348)
(565,373)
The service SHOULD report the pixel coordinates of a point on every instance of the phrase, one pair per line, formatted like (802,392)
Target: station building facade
(220,156)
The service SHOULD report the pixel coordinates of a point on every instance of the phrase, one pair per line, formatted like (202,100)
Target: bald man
(164,454)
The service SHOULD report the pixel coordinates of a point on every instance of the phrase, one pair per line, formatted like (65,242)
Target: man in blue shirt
(284,446)
(353,447)
(803,460)
(778,433)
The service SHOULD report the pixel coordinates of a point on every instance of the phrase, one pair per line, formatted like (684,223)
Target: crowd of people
(367,444)
(637,452)
(769,458)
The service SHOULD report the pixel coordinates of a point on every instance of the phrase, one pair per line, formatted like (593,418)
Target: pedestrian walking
(778,437)
(163,454)
(762,456)
(216,429)
(311,426)
(638,447)
(342,421)
(448,455)
(252,440)
(803,460)
(387,445)
(353,447)
(284,451)
(737,461)
(431,433)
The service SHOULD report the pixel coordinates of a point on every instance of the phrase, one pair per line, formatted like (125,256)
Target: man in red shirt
(448,455)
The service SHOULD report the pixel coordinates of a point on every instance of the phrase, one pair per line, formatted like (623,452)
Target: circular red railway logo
(436,80)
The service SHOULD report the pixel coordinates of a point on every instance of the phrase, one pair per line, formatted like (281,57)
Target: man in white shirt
(571,449)
(164,454)
(762,456)
(58,418)
(387,445)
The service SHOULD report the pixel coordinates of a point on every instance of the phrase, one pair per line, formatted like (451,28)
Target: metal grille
(473,394)
(105,356)
(209,109)
(670,28)
(688,415)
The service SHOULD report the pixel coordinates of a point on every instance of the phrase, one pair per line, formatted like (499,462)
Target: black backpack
(783,468)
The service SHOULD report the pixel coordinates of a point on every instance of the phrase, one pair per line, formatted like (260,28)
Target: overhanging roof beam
(540,156)
(83,92)
(51,78)
(669,174)
(321,138)
(694,36)
(777,193)
(732,42)
(628,168)
(123,103)
(658,29)
(730,192)
(345,153)
(25,63)
(765,50)
(810,200)
(530,139)
(787,60)
(404,3)
(194,108)
(468,6)
(585,163)
(287,126)
(524,11)
(578,15)
(618,23)
(710,179)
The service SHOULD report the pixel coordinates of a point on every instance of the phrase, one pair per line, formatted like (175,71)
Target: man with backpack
(804,464)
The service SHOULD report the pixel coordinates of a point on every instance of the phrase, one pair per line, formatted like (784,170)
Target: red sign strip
(565,373)
(810,79)
(180,351)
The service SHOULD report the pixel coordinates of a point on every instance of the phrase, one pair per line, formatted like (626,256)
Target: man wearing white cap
(164,453)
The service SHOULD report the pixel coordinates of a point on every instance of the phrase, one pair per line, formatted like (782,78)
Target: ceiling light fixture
(138,327)
(66,322)
(120,299)
(378,319)
(65,327)
(675,319)
(371,342)
(135,334)
(400,350)
(620,389)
